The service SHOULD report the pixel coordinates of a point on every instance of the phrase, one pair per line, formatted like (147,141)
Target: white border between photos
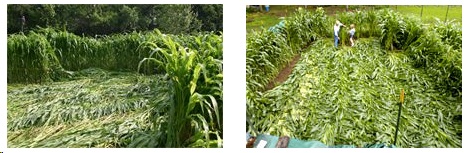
(3,84)
(234,45)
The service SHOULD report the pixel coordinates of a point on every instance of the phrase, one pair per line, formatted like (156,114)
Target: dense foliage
(269,51)
(349,95)
(180,106)
(103,19)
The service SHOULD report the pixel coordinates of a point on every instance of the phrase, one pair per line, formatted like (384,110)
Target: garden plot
(350,96)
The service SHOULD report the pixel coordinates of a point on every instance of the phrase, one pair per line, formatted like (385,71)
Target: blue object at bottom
(271,142)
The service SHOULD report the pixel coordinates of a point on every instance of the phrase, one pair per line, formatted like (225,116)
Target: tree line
(104,19)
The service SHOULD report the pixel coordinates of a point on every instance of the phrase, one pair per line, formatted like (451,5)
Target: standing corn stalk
(193,116)
(178,64)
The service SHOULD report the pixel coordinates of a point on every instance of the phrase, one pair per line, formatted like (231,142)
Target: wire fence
(424,11)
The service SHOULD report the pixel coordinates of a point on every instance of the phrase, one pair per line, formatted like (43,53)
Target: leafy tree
(104,19)
(177,19)
(210,16)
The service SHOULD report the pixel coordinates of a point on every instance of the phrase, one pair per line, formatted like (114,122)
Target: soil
(284,73)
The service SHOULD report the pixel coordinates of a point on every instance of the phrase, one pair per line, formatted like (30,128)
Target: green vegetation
(178,103)
(262,19)
(185,66)
(104,19)
(95,108)
(350,95)
(125,76)
(257,19)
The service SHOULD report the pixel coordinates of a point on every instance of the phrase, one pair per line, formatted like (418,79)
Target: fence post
(422,10)
(446,18)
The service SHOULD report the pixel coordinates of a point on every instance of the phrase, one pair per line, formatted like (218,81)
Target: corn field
(350,95)
(134,90)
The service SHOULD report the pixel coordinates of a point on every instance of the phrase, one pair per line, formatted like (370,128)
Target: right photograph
(354,76)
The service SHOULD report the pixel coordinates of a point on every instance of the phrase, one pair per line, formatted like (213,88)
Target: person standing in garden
(337,26)
(352,31)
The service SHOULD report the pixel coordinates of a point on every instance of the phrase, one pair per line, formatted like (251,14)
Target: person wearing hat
(336,31)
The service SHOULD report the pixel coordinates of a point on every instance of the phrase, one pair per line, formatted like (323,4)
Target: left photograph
(114,76)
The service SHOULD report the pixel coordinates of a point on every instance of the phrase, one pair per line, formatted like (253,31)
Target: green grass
(261,20)
(432,11)
(258,20)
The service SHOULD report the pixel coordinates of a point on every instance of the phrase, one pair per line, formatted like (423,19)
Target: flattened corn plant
(96,108)
(349,96)
(177,117)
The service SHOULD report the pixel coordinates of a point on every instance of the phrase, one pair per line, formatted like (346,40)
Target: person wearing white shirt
(336,31)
